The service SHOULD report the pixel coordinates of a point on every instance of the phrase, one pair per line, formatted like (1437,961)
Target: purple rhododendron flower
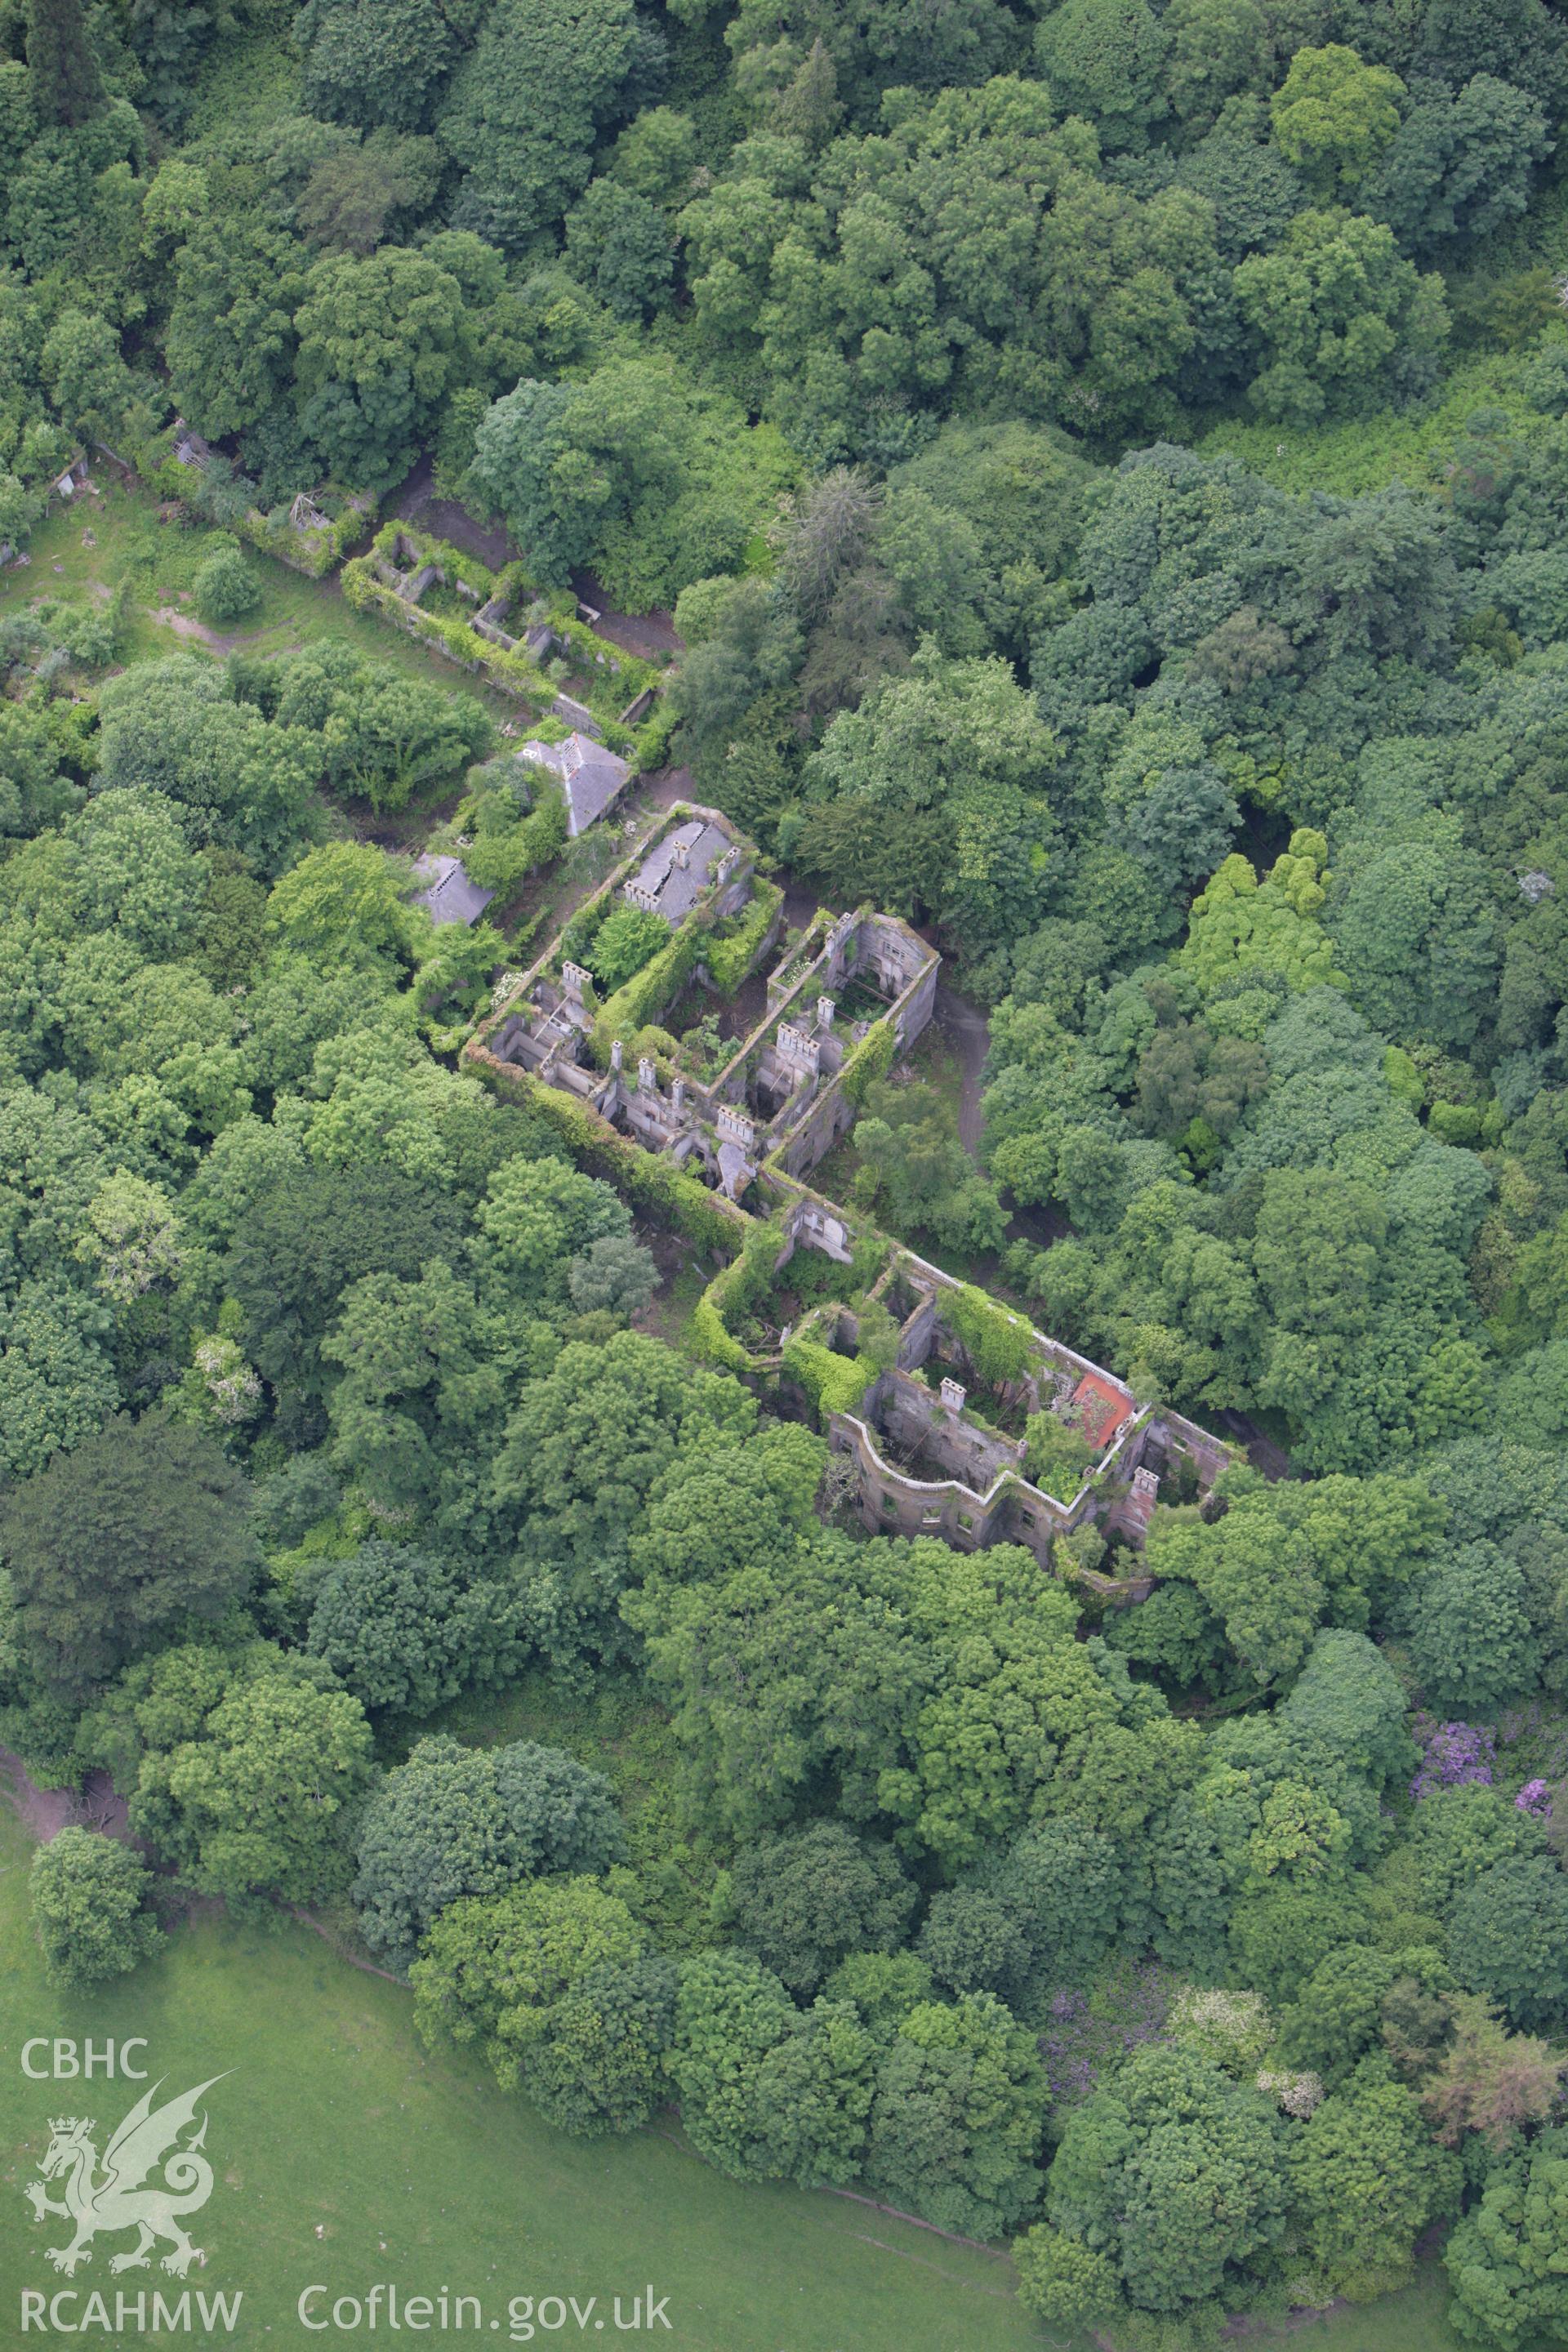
(1535,1797)
(1452,1754)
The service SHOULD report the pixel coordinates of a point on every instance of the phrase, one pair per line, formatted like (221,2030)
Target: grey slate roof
(591,777)
(676,889)
(449,896)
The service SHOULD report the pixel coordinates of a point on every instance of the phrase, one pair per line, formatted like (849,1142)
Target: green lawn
(161,561)
(347,2154)
(1414,2321)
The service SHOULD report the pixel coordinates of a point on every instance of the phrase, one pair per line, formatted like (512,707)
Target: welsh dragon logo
(116,2198)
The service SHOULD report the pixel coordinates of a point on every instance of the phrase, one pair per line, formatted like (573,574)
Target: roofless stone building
(802,1028)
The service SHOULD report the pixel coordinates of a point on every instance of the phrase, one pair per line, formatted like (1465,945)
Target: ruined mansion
(782,1033)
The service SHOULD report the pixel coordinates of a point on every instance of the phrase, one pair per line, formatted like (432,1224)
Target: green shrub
(645,1179)
(89,1894)
(500,861)
(225,588)
(643,997)
(627,940)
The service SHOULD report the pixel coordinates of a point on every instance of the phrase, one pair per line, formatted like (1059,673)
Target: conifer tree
(62,72)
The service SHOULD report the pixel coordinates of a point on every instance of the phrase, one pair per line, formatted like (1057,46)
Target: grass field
(161,561)
(347,2154)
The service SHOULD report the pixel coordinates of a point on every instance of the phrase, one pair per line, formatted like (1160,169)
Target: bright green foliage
(1063,2282)
(1241,927)
(581,1451)
(89,1898)
(624,942)
(932,795)
(226,588)
(1333,116)
(380,342)
(955,2125)
(1366,2180)
(340,902)
(493,1971)
(231,339)
(257,1802)
(763,2088)
(132,1238)
(536,1218)
(238,783)
(1504,2258)
(654,483)
(1335,308)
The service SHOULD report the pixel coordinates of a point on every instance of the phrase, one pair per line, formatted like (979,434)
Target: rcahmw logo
(152,2174)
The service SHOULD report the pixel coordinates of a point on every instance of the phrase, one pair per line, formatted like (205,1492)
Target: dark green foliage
(1176,2176)
(115,1545)
(974,1942)
(954,2127)
(803,1901)
(63,81)
(524,107)
(1367,2180)
(293,1500)
(400,1629)
(470,1821)
(601,2066)
(374,61)
(303,1240)
(620,245)
(1095,530)
(613,1273)
(1508,1938)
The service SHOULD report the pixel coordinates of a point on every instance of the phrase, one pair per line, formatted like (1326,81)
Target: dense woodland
(1109,467)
